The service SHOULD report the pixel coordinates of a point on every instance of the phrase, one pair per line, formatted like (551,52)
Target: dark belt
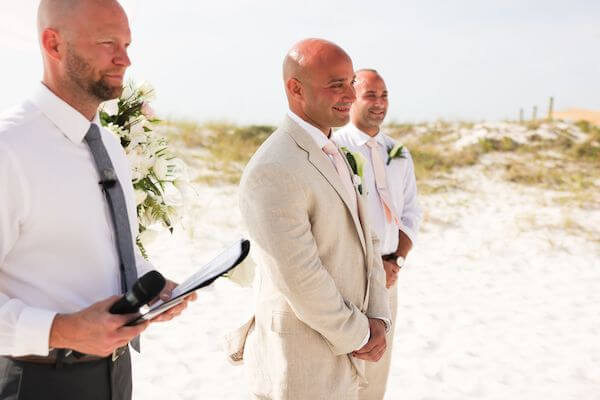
(68,357)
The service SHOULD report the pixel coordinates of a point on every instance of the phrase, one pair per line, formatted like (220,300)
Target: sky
(462,59)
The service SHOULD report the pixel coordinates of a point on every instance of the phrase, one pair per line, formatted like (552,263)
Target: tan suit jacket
(320,275)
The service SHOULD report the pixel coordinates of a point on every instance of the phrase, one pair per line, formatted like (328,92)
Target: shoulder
(15,135)
(279,148)
(342,137)
(111,140)
(16,123)
(278,159)
(391,142)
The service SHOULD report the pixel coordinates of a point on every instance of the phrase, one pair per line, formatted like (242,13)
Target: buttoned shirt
(401,184)
(57,243)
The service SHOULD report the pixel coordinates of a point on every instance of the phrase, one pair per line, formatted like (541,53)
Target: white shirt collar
(67,119)
(314,132)
(360,137)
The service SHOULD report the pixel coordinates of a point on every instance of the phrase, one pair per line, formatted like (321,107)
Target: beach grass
(218,151)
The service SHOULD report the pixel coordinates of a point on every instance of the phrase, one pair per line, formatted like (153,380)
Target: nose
(122,58)
(380,102)
(350,94)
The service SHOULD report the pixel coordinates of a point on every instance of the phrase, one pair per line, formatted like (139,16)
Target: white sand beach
(499,299)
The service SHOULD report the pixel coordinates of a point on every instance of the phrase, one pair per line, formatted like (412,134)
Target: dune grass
(220,150)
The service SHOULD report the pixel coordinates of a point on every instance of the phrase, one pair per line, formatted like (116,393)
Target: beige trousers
(377,372)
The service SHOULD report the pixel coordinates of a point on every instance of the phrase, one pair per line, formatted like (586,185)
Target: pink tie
(342,170)
(380,182)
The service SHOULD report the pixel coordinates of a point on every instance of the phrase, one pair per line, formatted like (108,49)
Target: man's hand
(165,295)
(391,272)
(375,347)
(94,330)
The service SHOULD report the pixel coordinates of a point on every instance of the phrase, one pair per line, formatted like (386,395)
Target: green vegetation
(219,151)
(561,164)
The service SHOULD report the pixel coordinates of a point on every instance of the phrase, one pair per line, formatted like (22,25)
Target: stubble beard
(80,73)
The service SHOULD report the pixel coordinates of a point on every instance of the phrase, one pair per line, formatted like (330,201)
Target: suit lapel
(323,164)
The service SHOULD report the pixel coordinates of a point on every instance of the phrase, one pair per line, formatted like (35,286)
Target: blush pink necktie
(380,182)
(342,169)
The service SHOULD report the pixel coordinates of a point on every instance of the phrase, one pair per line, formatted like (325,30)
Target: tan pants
(377,372)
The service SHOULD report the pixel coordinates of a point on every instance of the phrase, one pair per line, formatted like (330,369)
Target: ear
(295,88)
(51,41)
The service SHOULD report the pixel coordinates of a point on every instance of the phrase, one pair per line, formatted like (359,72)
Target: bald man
(59,264)
(392,198)
(322,308)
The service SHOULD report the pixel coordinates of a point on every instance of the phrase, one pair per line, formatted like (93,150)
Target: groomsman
(389,180)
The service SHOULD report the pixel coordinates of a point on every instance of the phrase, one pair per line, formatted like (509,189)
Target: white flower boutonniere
(396,151)
(357,164)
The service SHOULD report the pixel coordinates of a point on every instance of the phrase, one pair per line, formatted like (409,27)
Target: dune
(499,298)
(579,114)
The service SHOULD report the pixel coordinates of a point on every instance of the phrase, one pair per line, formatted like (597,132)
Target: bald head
(52,14)
(64,15)
(310,54)
(363,76)
(318,77)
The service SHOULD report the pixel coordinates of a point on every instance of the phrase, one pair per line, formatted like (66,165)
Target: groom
(322,308)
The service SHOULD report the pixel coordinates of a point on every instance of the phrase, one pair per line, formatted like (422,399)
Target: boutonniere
(396,151)
(357,164)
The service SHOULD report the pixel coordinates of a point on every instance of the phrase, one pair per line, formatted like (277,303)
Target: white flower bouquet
(159,178)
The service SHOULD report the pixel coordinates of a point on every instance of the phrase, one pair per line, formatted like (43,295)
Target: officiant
(66,247)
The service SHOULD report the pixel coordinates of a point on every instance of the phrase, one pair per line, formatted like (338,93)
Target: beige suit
(320,275)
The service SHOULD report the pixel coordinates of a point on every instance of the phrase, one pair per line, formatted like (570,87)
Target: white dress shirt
(321,140)
(57,246)
(315,133)
(401,183)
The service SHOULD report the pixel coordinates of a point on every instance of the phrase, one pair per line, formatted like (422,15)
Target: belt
(69,357)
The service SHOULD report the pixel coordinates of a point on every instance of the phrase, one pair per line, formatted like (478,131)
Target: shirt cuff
(32,333)
(388,326)
(386,322)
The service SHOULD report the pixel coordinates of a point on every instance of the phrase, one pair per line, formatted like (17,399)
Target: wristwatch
(393,257)
(400,261)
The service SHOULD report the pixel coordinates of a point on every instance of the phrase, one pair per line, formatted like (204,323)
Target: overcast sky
(461,59)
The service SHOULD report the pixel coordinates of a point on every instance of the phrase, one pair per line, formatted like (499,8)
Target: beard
(81,74)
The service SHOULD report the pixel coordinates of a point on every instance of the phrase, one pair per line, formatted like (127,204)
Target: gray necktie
(118,212)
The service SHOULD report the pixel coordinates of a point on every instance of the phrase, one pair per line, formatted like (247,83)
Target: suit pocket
(286,323)
(10,379)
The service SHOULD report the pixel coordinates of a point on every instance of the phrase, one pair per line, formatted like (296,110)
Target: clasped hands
(377,344)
